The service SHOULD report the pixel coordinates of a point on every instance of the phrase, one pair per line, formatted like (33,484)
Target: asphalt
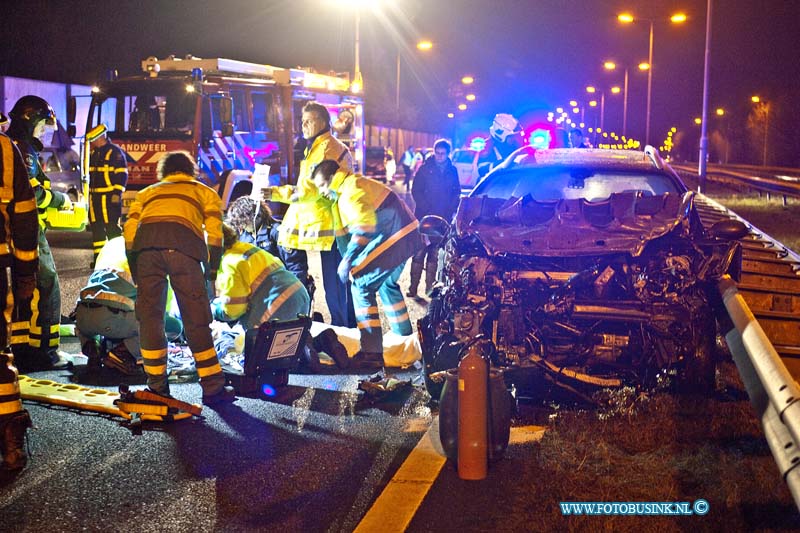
(312,458)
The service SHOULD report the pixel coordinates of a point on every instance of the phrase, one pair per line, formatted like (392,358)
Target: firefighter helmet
(504,125)
(32,109)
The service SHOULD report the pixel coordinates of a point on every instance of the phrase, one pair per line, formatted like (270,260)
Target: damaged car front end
(589,268)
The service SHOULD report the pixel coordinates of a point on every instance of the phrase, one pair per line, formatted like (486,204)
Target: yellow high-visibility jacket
(253,286)
(308,223)
(173,214)
(377,230)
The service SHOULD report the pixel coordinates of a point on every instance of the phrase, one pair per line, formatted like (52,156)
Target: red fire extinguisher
(473,379)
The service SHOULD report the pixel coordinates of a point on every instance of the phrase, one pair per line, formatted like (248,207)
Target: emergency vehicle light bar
(313,80)
(215,65)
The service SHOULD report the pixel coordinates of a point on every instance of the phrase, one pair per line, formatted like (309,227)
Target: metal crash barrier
(774,394)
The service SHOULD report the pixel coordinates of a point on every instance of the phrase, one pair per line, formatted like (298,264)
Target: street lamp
(423,46)
(591,89)
(627,18)
(763,104)
(611,65)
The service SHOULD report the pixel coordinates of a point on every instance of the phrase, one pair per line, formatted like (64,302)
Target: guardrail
(774,394)
(759,183)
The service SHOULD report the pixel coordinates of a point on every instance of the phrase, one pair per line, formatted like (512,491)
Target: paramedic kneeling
(254,287)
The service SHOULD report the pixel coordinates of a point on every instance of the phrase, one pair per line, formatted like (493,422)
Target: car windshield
(158,110)
(559,182)
(463,156)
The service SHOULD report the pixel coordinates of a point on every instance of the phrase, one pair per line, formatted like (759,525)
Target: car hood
(625,222)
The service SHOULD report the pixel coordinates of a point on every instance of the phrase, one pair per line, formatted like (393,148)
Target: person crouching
(254,287)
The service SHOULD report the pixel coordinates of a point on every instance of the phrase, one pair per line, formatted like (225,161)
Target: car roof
(590,158)
(649,159)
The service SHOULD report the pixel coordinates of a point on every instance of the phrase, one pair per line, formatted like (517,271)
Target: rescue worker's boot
(91,349)
(367,360)
(226,395)
(12,439)
(121,360)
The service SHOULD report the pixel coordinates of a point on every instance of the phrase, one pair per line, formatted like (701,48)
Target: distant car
(62,166)
(587,268)
(375,162)
(466,163)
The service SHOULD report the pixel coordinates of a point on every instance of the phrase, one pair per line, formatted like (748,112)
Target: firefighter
(35,329)
(377,234)
(164,237)
(505,137)
(18,263)
(108,175)
(253,286)
(308,223)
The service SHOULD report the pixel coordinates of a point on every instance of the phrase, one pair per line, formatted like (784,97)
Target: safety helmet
(32,109)
(504,125)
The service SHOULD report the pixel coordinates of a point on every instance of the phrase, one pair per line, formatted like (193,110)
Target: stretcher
(130,405)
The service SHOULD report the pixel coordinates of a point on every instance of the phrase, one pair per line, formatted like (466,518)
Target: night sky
(528,56)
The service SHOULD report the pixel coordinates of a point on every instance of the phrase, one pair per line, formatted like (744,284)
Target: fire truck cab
(231,115)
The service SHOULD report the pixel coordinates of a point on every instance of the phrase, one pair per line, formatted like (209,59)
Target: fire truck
(236,118)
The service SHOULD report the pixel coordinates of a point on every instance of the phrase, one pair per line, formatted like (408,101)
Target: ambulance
(238,119)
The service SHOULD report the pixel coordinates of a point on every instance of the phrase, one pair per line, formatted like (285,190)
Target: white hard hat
(503,125)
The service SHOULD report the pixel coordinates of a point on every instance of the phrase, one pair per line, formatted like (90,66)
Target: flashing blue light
(329,384)
(478,144)
(540,139)
(268,389)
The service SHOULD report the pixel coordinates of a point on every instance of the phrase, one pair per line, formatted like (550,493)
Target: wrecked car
(590,268)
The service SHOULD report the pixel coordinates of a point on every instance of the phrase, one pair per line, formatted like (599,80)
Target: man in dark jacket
(436,191)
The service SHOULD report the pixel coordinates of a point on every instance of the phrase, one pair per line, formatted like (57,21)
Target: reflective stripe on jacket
(108,169)
(18,227)
(382,230)
(251,281)
(173,214)
(308,224)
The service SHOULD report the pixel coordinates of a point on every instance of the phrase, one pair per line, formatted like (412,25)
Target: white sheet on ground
(398,350)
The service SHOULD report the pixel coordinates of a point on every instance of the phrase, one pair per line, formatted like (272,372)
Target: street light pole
(602,110)
(358,82)
(766,129)
(625,106)
(701,167)
(358,46)
(649,87)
